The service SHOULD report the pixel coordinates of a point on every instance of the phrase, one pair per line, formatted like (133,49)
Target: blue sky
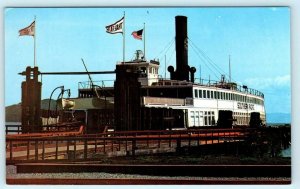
(257,39)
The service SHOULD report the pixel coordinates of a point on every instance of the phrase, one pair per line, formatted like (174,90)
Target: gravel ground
(12,173)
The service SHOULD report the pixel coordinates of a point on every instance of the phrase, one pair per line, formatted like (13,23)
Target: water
(287,152)
(12,123)
(278,124)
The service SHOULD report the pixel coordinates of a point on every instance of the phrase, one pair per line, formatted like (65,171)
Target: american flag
(138,34)
(30,30)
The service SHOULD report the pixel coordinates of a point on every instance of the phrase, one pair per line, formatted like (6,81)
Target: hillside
(13,112)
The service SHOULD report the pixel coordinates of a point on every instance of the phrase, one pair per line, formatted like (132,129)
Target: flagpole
(34,38)
(144,42)
(124,40)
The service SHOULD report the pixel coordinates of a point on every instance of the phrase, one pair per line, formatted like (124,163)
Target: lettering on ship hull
(242,105)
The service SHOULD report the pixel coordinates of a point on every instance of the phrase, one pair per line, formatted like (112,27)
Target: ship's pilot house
(148,70)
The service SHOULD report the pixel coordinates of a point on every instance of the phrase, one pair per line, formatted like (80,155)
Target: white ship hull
(202,111)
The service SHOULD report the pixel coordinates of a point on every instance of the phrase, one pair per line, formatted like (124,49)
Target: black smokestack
(182,67)
(193,70)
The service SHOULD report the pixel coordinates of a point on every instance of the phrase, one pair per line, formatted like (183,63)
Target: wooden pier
(75,146)
(86,147)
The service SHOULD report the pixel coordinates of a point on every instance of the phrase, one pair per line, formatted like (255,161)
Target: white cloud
(262,83)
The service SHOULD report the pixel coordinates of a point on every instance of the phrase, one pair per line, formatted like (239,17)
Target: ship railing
(163,101)
(213,83)
(230,86)
(89,84)
(167,81)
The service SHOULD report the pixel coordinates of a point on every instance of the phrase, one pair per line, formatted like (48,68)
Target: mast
(229,70)
(124,39)
(144,42)
(34,38)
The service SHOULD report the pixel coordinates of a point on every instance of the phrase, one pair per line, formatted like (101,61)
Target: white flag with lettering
(116,27)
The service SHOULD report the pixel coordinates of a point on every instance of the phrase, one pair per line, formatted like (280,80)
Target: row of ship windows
(241,120)
(153,70)
(225,96)
(203,118)
(241,114)
(207,118)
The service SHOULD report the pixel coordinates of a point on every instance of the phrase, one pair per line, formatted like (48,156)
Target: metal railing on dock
(91,147)
(17,128)
(13,129)
(95,146)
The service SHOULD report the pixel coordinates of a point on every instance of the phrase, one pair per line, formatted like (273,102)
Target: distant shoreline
(278,124)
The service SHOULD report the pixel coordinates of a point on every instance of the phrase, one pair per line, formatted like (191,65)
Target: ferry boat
(142,100)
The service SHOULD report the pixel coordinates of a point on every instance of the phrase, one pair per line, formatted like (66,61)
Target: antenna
(200,73)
